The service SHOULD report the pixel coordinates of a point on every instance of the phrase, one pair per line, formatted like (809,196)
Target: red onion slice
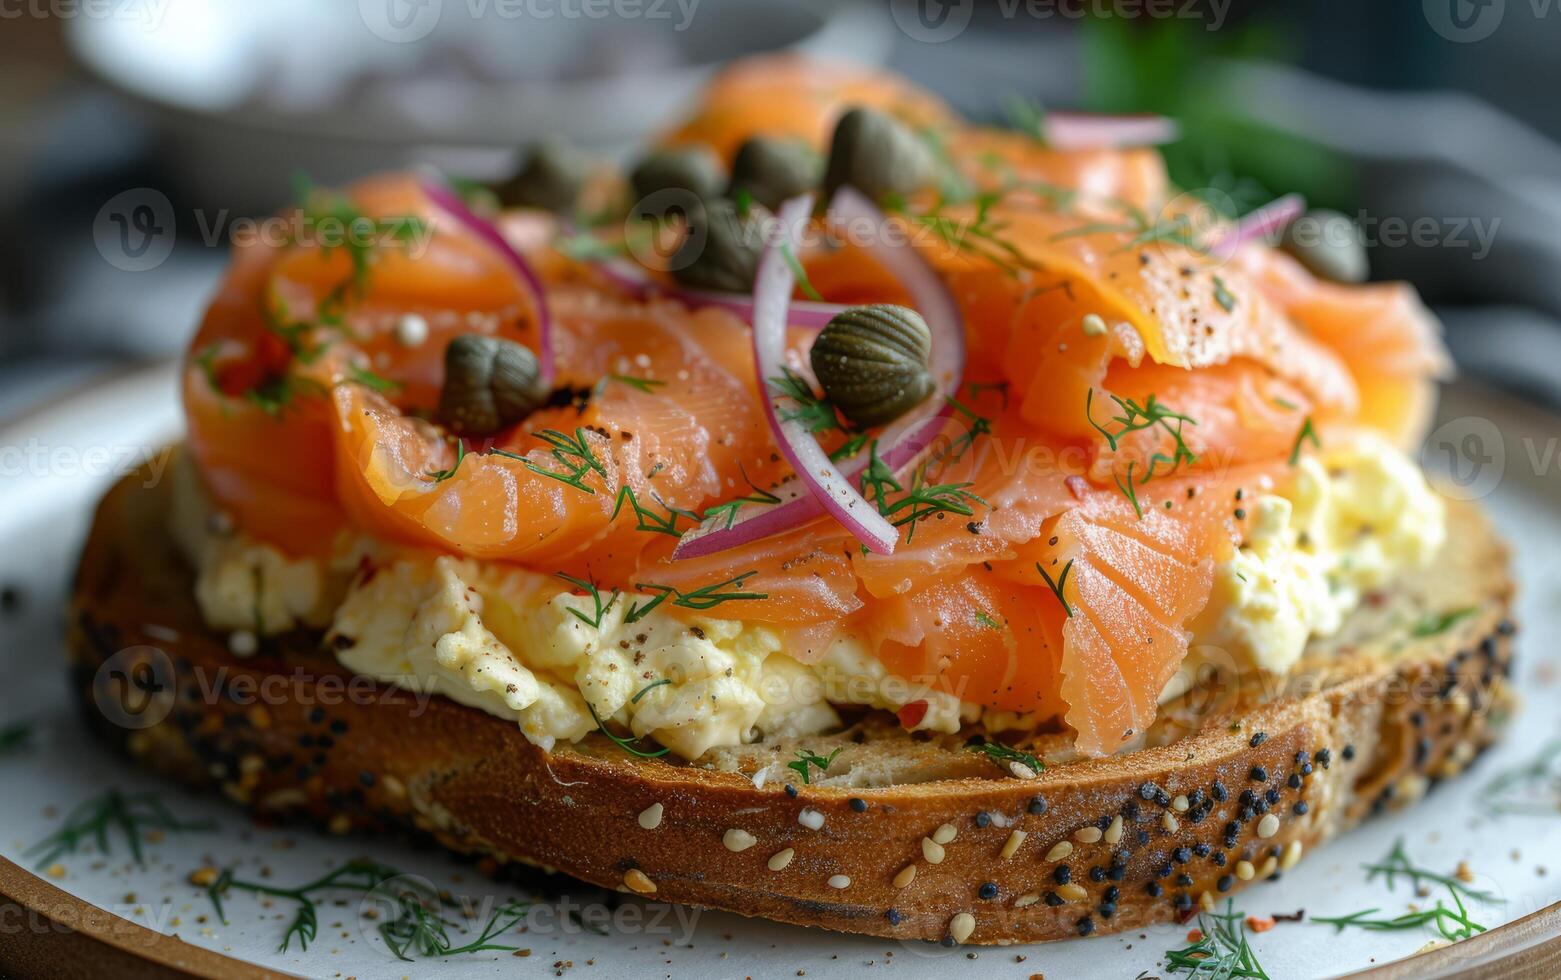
(632,280)
(1097,131)
(899,444)
(1259,224)
(448,200)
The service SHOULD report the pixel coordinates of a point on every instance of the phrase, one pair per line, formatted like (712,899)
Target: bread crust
(1371,721)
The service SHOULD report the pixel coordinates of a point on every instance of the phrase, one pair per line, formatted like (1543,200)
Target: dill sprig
(1058,584)
(1003,754)
(1307,434)
(814,412)
(806,758)
(919,502)
(1433,624)
(1137,417)
(646,385)
(595,619)
(985,619)
(1397,863)
(439,476)
(1531,789)
(1223,951)
(132,815)
(799,273)
(705,597)
(626,744)
(1453,923)
(730,508)
(646,519)
(368,379)
(574,457)
(419,924)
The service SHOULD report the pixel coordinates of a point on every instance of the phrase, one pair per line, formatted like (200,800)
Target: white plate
(56,464)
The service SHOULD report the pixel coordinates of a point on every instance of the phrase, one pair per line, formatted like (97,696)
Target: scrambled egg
(1352,520)
(508,641)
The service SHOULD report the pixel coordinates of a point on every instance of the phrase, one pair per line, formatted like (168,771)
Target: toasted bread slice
(905,835)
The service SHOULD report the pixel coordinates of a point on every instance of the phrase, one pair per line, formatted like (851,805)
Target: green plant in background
(1177,68)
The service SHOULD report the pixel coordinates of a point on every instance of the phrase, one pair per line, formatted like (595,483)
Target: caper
(1327,243)
(687,168)
(489,384)
(551,179)
(771,171)
(721,248)
(872,362)
(878,155)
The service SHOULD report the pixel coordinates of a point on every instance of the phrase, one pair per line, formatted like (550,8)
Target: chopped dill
(1057,586)
(729,509)
(1136,418)
(370,380)
(1308,433)
(1003,754)
(626,744)
(919,502)
(595,619)
(849,448)
(813,412)
(648,520)
(705,597)
(132,815)
(573,455)
(1221,952)
(1433,624)
(807,757)
(646,385)
(986,620)
(439,476)
(1223,296)
(799,273)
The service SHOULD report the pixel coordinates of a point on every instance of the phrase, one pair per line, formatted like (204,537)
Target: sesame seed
(1269,867)
(1087,835)
(1206,901)
(1168,821)
(945,833)
(1268,826)
(1014,840)
(1059,851)
(650,817)
(810,818)
(961,926)
(1245,871)
(780,859)
(1291,855)
(906,876)
(243,643)
(1026,900)
(1021,771)
(1113,833)
(1093,325)
(1072,893)
(636,881)
(840,881)
(931,850)
(736,839)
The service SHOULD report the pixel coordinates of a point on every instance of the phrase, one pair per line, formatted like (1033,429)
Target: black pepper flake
(1348,753)
(858,804)
(988,890)
(1037,806)
(1260,737)
(1241,514)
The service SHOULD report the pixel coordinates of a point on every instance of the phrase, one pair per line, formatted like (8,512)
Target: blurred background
(1433,123)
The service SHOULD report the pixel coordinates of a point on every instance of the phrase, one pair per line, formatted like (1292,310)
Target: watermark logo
(1465,458)
(136,687)
(932,21)
(1464,21)
(663,230)
(400,21)
(135,230)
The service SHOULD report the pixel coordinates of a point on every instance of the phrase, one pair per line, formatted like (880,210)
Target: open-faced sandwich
(848,516)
